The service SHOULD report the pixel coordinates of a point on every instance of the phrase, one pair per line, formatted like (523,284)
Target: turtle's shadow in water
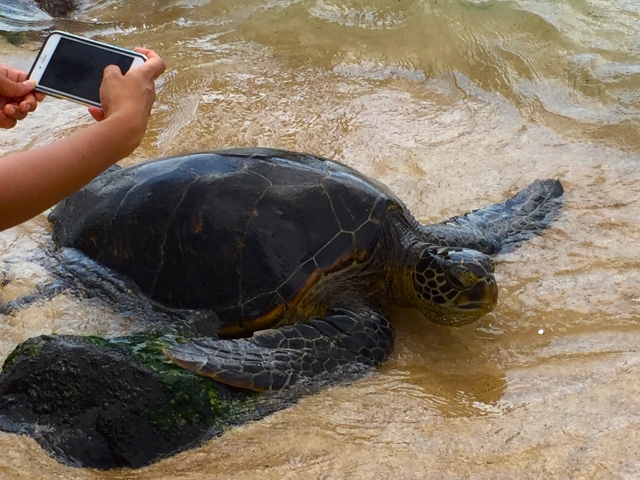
(452,365)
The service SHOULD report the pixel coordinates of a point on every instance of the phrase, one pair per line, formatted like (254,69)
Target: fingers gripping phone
(71,67)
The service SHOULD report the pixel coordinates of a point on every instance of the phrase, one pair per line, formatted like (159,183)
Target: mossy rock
(100,403)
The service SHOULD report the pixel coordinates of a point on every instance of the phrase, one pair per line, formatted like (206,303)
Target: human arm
(34,180)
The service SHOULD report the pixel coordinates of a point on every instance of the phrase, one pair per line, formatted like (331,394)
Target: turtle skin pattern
(276,358)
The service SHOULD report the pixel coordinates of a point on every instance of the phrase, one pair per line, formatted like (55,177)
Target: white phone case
(46,54)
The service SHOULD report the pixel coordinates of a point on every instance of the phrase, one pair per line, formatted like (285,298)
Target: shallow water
(455,105)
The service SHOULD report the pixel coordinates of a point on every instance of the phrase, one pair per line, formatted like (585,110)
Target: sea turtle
(294,253)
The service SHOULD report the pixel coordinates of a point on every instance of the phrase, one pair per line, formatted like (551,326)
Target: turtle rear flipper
(274,359)
(502,227)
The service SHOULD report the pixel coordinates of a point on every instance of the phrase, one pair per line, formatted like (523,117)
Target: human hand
(130,96)
(17,97)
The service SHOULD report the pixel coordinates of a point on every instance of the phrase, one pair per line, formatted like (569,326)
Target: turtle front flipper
(274,359)
(502,227)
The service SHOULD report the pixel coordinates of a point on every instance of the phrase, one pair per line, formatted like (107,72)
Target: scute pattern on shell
(270,223)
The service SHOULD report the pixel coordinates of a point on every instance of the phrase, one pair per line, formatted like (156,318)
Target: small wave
(19,15)
(362,16)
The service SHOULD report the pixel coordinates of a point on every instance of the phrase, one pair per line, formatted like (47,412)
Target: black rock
(95,403)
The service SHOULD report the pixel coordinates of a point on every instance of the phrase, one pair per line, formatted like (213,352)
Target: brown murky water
(455,104)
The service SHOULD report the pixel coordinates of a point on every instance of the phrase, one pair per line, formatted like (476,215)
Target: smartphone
(71,67)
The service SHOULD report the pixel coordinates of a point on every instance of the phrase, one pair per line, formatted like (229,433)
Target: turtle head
(453,286)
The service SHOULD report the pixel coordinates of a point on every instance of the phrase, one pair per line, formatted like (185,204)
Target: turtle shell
(241,232)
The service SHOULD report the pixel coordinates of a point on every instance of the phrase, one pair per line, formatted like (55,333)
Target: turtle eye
(462,279)
(455,282)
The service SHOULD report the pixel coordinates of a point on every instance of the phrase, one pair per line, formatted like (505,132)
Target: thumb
(111,71)
(96,113)
(11,89)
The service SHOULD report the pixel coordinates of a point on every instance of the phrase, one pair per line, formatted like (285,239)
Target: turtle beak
(481,298)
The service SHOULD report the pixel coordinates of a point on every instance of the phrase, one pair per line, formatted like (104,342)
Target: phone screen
(76,68)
